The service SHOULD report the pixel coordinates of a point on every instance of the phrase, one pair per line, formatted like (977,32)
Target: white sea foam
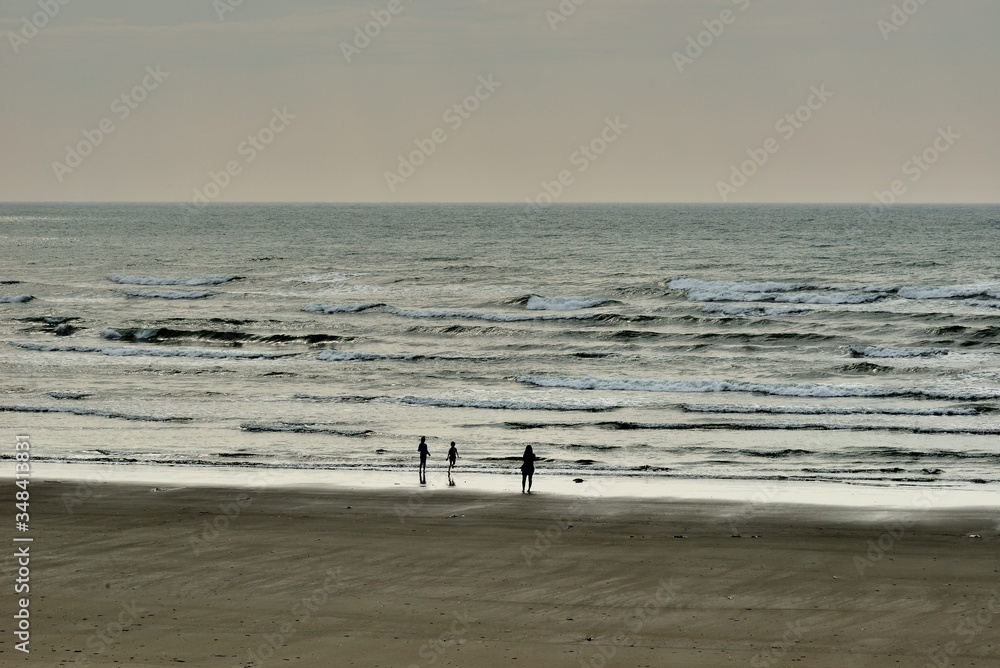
(778,389)
(196,353)
(170,280)
(536,303)
(943,292)
(819,298)
(170,294)
(884,352)
(16,299)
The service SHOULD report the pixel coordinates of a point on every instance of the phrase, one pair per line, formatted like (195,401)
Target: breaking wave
(536,303)
(735,286)
(769,426)
(16,299)
(778,389)
(708,295)
(802,293)
(947,292)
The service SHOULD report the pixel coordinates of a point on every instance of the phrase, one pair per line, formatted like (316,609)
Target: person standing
(452,457)
(527,467)
(424,454)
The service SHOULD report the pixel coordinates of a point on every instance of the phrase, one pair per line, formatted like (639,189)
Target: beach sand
(125,575)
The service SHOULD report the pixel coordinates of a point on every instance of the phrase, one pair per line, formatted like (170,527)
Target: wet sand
(125,575)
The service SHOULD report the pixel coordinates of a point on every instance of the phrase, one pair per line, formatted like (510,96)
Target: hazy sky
(660,119)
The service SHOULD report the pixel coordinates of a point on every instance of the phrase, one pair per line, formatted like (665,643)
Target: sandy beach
(142,576)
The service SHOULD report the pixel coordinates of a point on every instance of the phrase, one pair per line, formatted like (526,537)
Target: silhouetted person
(424,454)
(452,456)
(528,467)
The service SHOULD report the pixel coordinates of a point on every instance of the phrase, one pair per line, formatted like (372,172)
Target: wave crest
(170,280)
(331,309)
(887,353)
(827,410)
(777,389)
(92,412)
(154,352)
(536,303)
(508,404)
(170,294)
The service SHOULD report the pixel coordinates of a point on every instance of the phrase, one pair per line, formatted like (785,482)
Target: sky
(500,101)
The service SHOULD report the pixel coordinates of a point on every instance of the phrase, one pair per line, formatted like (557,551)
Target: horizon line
(501,203)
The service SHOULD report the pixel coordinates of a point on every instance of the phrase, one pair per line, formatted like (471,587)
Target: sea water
(770,342)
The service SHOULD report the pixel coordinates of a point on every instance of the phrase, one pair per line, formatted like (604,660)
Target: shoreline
(749,492)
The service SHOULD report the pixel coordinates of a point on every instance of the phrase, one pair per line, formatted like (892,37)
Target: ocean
(811,343)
